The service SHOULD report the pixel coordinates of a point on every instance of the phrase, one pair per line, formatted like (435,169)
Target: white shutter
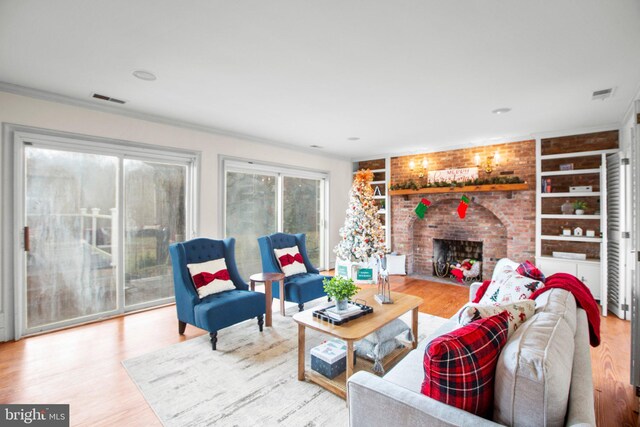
(634,261)
(616,242)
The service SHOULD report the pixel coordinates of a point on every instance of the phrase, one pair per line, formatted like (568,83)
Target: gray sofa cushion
(409,372)
(533,375)
(561,302)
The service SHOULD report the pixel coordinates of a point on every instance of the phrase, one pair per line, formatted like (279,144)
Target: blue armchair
(299,288)
(215,311)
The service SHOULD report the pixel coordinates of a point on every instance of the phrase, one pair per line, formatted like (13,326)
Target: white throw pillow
(519,312)
(290,261)
(211,277)
(501,265)
(508,286)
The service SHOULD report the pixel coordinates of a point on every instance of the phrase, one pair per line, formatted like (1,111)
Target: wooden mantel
(465,189)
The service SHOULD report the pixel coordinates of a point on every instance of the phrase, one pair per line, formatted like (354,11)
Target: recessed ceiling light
(353,138)
(144,75)
(315,146)
(504,110)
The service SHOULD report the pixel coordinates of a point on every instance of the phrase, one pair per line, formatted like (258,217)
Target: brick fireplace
(503,221)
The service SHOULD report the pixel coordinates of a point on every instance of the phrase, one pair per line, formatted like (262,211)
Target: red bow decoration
(287,259)
(204,278)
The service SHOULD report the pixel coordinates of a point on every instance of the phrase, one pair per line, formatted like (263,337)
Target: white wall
(27,111)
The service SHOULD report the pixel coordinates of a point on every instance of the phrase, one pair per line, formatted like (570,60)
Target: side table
(268,279)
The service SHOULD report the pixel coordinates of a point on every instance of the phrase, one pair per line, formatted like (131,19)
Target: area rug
(250,380)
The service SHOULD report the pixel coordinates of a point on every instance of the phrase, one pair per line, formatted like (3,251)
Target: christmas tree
(362,234)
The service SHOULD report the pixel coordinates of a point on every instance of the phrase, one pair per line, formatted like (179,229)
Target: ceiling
(403,76)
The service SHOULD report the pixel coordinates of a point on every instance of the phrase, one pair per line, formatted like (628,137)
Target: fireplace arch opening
(481,228)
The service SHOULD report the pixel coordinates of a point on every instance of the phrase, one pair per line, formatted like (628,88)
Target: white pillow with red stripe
(290,261)
(211,277)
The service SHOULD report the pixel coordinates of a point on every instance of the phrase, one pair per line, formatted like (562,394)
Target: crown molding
(76,102)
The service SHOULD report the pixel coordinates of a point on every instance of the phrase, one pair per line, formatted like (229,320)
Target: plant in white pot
(341,290)
(579,206)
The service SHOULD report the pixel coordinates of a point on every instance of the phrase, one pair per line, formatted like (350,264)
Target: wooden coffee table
(356,330)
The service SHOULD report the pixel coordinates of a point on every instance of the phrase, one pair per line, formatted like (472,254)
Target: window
(264,199)
(99,217)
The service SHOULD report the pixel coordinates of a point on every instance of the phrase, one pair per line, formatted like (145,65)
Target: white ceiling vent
(602,94)
(108,98)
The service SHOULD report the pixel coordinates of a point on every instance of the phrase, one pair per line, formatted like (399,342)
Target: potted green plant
(579,206)
(340,289)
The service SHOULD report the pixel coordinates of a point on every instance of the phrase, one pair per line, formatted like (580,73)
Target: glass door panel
(302,213)
(251,212)
(154,217)
(70,208)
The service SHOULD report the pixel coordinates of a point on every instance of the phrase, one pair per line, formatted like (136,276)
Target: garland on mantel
(412,185)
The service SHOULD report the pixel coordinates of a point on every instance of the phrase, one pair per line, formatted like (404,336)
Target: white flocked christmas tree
(362,236)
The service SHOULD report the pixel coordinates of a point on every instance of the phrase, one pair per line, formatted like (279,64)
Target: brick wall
(516,157)
(584,142)
(503,220)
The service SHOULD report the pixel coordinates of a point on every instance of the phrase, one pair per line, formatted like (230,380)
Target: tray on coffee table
(322,315)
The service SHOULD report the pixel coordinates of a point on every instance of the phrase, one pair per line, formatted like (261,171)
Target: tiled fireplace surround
(504,221)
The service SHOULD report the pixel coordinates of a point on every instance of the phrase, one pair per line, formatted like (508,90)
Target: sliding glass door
(97,227)
(261,200)
(251,211)
(302,212)
(154,216)
(69,206)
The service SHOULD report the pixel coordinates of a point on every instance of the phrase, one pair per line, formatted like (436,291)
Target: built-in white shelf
(571,172)
(382,211)
(572,238)
(373,170)
(379,197)
(377,182)
(572,216)
(588,260)
(578,154)
(574,194)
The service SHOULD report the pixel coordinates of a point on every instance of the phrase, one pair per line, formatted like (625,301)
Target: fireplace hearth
(447,254)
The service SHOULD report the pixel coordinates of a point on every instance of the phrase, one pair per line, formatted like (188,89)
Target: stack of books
(352,310)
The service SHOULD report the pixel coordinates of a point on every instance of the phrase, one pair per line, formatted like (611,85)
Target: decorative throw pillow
(377,345)
(459,367)
(377,351)
(518,312)
(290,261)
(210,277)
(529,270)
(508,286)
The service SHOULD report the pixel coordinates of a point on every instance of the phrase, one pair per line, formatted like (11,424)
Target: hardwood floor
(82,366)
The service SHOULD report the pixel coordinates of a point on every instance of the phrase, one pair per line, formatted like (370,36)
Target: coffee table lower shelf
(338,385)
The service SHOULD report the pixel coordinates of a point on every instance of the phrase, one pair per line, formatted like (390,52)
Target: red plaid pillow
(529,270)
(459,367)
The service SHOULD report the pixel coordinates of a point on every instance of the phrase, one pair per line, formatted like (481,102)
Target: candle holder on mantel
(383,296)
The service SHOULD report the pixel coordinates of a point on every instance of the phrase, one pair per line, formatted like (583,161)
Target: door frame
(13,316)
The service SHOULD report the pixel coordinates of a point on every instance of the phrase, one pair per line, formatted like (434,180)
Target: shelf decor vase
(567,208)
(579,211)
